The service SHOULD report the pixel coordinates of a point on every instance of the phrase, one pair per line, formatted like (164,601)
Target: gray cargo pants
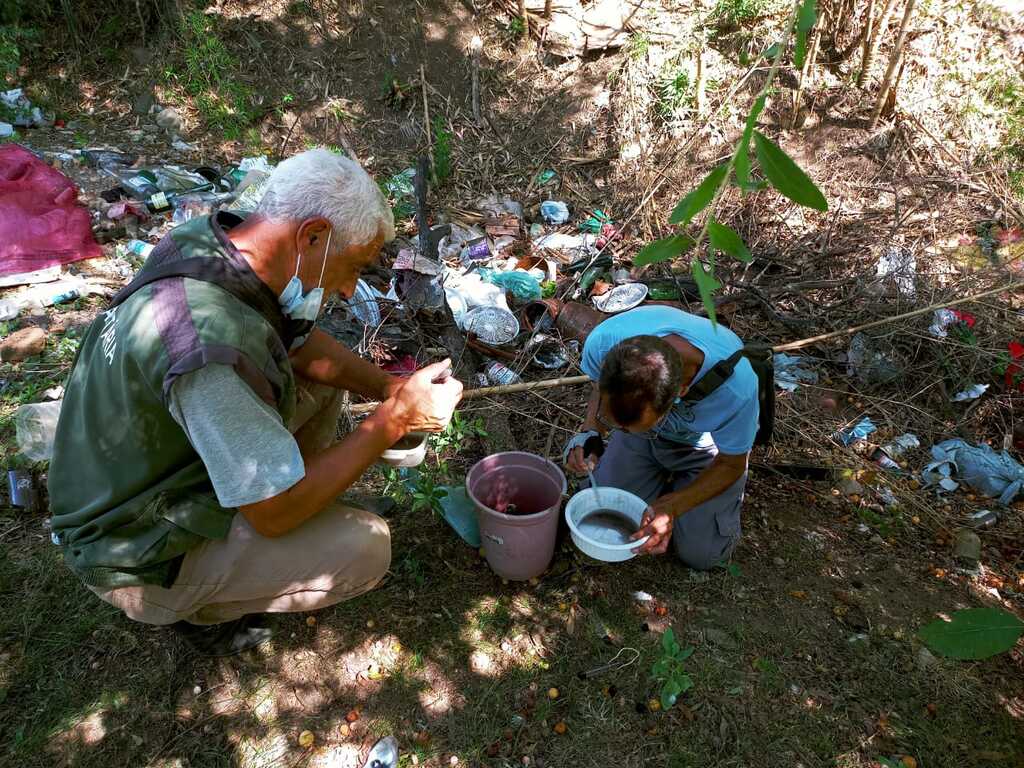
(650,468)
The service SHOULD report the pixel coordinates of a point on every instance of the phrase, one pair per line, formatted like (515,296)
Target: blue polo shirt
(728,416)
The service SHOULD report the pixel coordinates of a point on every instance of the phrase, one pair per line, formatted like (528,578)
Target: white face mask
(304,307)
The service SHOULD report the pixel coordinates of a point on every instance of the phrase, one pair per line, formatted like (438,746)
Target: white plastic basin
(595,537)
(407,452)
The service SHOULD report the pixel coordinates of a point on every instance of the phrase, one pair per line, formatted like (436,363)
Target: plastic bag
(987,472)
(35,427)
(519,283)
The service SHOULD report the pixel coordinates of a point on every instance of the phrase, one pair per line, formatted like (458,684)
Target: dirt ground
(806,649)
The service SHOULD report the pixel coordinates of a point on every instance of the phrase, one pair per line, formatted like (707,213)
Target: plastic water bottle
(140,248)
(61,298)
(501,374)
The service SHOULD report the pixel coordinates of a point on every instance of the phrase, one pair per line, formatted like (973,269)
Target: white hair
(321,183)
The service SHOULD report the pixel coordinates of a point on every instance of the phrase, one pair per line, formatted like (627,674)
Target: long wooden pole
(873,39)
(894,58)
(568,381)
(886,320)
(504,389)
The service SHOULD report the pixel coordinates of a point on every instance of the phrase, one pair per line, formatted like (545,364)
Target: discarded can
(983,518)
(886,455)
(477,249)
(501,374)
(22,489)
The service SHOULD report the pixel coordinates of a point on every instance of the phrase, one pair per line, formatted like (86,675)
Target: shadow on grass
(454,662)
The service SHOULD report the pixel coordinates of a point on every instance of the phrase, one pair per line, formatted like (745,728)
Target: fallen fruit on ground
(306,739)
(311,621)
(352,716)
(909,762)
(654,705)
(552,693)
(560,728)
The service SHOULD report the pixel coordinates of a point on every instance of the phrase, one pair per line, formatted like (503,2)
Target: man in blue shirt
(687,460)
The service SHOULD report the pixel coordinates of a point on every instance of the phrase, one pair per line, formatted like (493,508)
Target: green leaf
(668,641)
(786,176)
(664,249)
(685,653)
(806,18)
(670,693)
(698,200)
(707,284)
(742,164)
(973,633)
(661,667)
(726,240)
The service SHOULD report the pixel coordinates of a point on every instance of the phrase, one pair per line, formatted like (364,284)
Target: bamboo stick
(894,58)
(872,47)
(568,381)
(809,61)
(426,123)
(504,389)
(886,320)
(869,29)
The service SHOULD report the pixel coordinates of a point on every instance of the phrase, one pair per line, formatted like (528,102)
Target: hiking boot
(227,639)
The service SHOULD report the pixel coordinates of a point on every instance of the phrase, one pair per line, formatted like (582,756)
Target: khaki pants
(339,553)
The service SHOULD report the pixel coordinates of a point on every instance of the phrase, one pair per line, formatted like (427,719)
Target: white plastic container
(594,537)
(410,451)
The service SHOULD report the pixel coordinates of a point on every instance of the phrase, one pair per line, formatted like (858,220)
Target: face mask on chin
(298,306)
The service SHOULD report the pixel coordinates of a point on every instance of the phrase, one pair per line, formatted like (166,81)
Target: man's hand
(657,524)
(425,401)
(579,463)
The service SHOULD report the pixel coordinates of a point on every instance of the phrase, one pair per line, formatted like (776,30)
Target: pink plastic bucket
(517,546)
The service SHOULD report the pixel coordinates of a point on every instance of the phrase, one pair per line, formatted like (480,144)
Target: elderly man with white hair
(195,470)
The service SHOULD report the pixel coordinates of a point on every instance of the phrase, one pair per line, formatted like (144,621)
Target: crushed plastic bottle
(501,374)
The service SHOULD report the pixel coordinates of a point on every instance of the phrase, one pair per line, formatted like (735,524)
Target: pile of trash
(140,205)
(496,271)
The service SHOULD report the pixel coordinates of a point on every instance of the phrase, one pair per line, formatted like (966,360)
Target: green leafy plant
(458,431)
(668,669)
(516,27)
(638,46)
(442,152)
(674,91)
(427,494)
(10,53)
(209,76)
(779,170)
(738,12)
(973,633)
(733,569)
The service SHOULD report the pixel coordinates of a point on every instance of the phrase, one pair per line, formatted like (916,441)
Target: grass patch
(1005,93)
(740,12)
(208,74)
(674,91)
